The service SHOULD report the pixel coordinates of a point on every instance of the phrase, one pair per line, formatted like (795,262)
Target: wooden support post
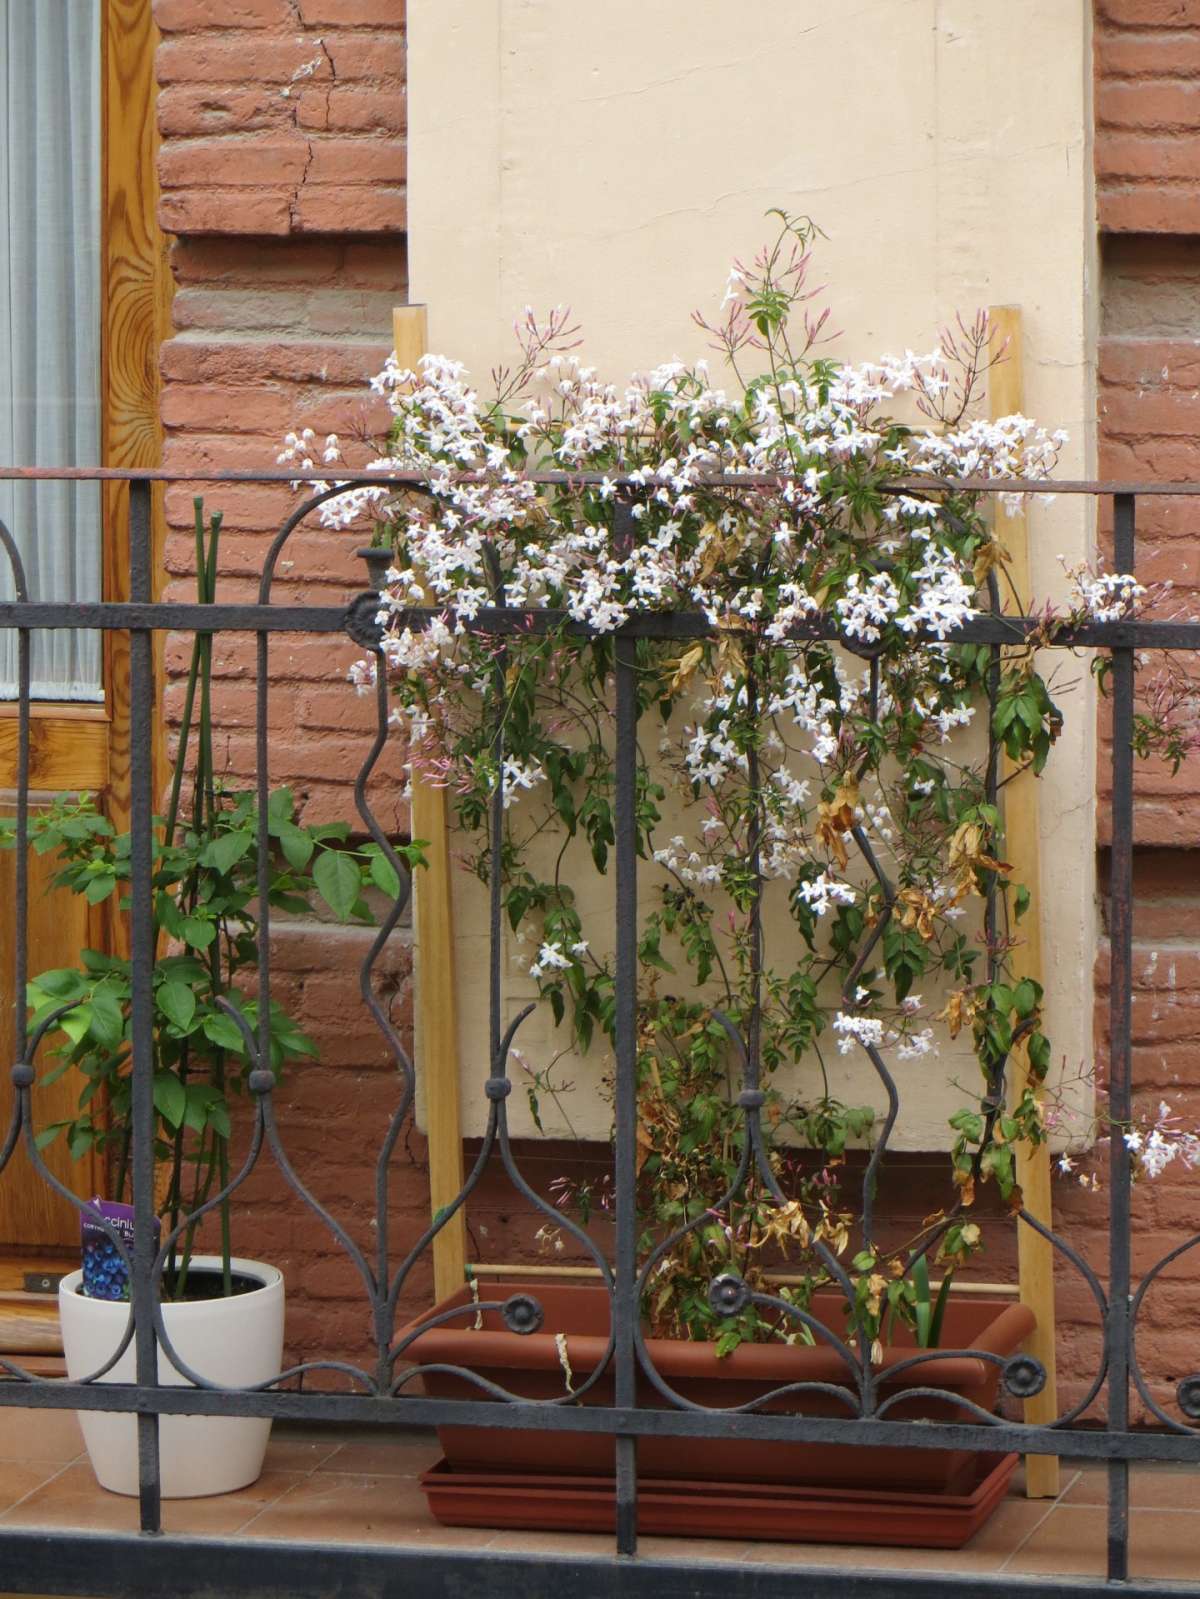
(435,996)
(1023,850)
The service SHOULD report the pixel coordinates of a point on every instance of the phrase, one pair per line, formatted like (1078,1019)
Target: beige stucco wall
(616,157)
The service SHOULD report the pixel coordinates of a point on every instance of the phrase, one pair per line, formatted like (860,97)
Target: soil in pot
(530,1365)
(234,1342)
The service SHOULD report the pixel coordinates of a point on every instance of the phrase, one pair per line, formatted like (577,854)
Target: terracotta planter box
(772,1511)
(529,1365)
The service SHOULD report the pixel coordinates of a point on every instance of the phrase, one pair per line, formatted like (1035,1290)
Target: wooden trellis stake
(434,999)
(1023,850)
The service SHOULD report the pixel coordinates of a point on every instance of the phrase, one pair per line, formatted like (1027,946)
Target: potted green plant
(820,825)
(223,1315)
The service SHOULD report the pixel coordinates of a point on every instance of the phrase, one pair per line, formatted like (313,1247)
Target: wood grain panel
(60,924)
(68,749)
(72,747)
(1023,849)
(136,301)
(436,994)
(29,1324)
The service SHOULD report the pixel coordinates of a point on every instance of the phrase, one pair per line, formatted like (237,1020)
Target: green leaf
(61,984)
(385,876)
(224,1032)
(939,1310)
(338,881)
(80,1139)
(296,844)
(1025,997)
(197,932)
(1039,1052)
(100,887)
(177,1003)
(281,807)
(224,852)
(170,1098)
(108,1018)
(100,965)
(76,1023)
(168,915)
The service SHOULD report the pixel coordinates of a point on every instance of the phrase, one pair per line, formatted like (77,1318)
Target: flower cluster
(1160,1140)
(818,838)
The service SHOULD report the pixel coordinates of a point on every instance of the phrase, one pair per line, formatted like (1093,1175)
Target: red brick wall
(282,171)
(1148,115)
(282,117)
(1147,55)
(282,178)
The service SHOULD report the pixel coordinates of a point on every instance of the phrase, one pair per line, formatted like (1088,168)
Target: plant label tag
(105,1275)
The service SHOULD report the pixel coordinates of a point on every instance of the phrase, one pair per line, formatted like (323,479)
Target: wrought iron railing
(81,1562)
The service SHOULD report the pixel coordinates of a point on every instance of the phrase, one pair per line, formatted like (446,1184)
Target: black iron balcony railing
(85,1563)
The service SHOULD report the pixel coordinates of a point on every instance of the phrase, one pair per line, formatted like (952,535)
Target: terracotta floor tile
(991,1547)
(226,1513)
(360,1487)
(402,1457)
(1071,1542)
(1153,1487)
(330,1507)
(17,1479)
(549,1543)
(300,1454)
(710,1550)
(51,1435)
(74,1499)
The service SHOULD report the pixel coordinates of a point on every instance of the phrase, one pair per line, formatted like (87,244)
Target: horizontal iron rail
(356,1409)
(730,480)
(58,1562)
(169,616)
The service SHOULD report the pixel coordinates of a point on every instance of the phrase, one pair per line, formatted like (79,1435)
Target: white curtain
(50,322)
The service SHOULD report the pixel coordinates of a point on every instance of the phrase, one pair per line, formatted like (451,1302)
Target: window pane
(50,321)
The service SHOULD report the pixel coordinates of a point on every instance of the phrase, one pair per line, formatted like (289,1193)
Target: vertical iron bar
(1120,939)
(21,951)
(625,1297)
(262,774)
(496,827)
(142,952)
(754,841)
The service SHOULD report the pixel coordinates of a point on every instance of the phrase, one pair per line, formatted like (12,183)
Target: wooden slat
(68,749)
(61,923)
(1023,850)
(436,996)
(136,309)
(13,1268)
(29,1324)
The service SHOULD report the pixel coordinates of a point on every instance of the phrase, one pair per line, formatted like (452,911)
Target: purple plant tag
(105,1275)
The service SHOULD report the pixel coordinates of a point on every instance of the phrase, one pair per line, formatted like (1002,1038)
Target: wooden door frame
(84,746)
(136,310)
(87,746)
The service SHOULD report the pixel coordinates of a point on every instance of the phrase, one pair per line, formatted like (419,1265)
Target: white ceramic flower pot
(236,1342)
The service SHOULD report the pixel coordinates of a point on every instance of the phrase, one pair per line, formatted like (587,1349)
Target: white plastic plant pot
(236,1342)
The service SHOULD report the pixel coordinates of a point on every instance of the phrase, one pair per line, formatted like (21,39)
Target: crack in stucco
(294,202)
(309,146)
(332,78)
